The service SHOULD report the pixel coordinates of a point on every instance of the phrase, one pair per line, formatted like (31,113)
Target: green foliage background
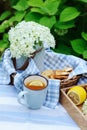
(67,20)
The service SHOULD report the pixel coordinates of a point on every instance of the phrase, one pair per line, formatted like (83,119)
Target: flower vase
(39,59)
(21,63)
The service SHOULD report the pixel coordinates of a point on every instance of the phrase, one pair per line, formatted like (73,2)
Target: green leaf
(37,10)
(78,45)
(13,2)
(84,35)
(5,15)
(32,17)
(2,29)
(48,7)
(68,14)
(35,3)
(11,20)
(85,54)
(19,15)
(6,24)
(3,45)
(62,48)
(64,25)
(48,21)
(5,37)
(3,26)
(85,1)
(51,6)
(21,5)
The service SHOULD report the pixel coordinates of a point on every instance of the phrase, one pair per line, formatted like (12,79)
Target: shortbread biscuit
(48,73)
(68,69)
(61,77)
(61,72)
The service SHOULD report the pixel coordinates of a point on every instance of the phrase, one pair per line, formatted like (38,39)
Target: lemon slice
(36,83)
(77,94)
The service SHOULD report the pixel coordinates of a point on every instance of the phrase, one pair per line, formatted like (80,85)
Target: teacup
(34,91)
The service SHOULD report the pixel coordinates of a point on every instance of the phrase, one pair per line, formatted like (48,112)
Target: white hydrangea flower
(26,36)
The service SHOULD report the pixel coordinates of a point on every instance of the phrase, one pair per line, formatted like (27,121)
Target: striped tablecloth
(14,116)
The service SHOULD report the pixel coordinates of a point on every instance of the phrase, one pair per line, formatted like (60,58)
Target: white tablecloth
(14,116)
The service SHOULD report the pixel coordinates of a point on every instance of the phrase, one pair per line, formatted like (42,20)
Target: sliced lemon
(36,83)
(77,94)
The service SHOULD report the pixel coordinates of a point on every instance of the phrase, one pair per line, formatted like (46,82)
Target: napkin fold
(53,61)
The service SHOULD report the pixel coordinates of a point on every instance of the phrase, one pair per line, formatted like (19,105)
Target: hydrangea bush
(27,37)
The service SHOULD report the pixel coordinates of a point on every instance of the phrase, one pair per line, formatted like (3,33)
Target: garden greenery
(67,20)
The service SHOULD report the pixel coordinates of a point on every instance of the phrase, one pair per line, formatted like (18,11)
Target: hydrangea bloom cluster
(26,36)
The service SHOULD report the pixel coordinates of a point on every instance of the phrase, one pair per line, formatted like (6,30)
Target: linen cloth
(53,61)
(14,116)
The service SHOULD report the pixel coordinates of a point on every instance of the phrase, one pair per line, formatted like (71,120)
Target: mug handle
(21,98)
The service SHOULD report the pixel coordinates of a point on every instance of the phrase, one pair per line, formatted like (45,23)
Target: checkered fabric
(53,61)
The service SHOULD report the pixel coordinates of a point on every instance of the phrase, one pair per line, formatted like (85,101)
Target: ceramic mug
(34,91)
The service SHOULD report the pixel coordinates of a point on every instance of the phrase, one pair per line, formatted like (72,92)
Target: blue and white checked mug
(34,91)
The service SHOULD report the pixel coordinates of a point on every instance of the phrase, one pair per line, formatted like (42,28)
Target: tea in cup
(34,91)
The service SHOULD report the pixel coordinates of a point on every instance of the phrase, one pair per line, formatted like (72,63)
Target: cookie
(61,72)
(61,77)
(68,69)
(48,74)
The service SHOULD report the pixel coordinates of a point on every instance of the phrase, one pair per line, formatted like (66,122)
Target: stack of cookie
(57,74)
(62,75)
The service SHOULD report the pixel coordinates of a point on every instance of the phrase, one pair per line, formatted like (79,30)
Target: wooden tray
(74,111)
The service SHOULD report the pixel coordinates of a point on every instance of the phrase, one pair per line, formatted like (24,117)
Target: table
(14,116)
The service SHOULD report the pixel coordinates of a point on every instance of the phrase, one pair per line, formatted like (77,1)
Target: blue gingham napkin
(53,61)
